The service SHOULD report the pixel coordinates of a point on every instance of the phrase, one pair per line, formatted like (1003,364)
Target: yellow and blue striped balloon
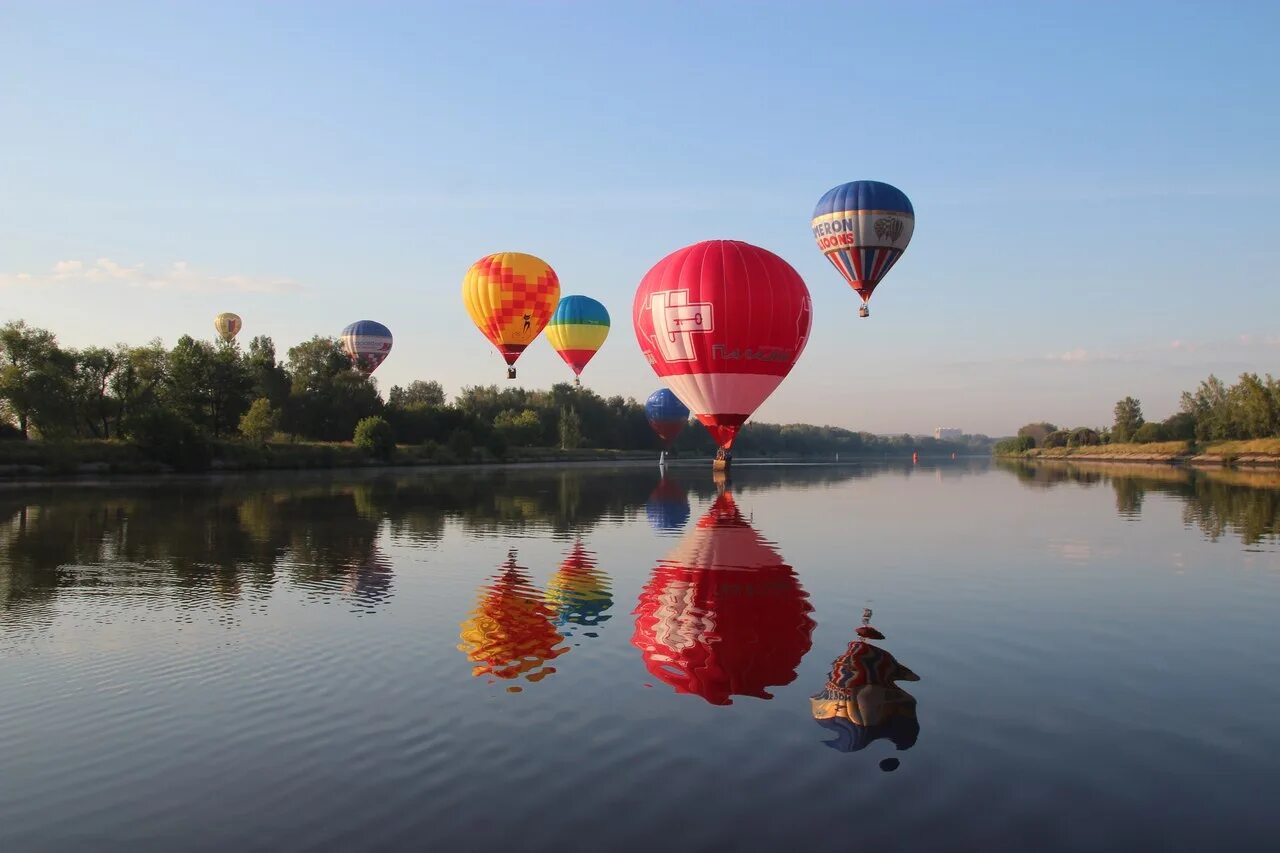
(577,330)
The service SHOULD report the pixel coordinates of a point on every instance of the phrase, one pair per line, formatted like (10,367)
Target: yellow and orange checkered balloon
(510,297)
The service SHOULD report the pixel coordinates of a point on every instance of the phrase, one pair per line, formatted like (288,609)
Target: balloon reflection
(861,701)
(578,593)
(369,582)
(510,634)
(723,615)
(668,505)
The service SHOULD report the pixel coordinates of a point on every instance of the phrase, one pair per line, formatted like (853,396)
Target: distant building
(948,433)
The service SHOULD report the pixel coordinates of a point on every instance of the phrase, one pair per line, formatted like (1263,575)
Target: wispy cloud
(178,276)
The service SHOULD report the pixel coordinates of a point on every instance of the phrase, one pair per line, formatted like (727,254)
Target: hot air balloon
(666,414)
(668,505)
(510,297)
(863,228)
(723,615)
(227,325)
(510,634)
(862,702)
(577,330)
(579,592)
(367,343)
(722,323)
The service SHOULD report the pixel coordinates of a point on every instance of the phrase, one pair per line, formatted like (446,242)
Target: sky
(1096,185)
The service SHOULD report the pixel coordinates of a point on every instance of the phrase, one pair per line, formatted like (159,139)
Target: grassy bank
(55,458)
(1260,451)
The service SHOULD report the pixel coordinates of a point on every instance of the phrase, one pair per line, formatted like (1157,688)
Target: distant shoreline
(1259,453)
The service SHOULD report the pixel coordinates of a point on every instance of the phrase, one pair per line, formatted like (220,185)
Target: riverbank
(1262,452)
(26,459)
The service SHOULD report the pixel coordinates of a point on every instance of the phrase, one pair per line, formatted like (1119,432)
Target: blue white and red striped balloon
(863,228)
(367,343)
(666,414)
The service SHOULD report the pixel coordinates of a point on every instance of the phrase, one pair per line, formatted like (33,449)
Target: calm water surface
(597,658)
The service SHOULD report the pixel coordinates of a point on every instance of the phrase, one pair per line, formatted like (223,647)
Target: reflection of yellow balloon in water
(510,634)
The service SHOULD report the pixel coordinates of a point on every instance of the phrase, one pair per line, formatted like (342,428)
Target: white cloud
(179,276)
(1075,355)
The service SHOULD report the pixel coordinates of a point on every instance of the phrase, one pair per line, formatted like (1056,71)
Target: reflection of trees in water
(201,541)
(1245,503)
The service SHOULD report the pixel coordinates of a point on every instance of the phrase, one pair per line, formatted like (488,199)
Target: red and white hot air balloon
(722,323)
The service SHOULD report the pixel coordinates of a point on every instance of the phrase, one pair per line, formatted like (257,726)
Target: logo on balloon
(891,228)
(676,321)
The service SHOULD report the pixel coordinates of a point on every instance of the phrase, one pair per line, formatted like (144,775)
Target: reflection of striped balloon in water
(510,296)
(579,592)
(367,343)
(227,325)
(863,228)
(668,505)
(577,330)
(723,615)
(510,634)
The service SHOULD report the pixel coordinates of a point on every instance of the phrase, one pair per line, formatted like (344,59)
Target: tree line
(178,402)
(1214,411)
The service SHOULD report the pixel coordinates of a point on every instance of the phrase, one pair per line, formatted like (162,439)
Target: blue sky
(1097,186)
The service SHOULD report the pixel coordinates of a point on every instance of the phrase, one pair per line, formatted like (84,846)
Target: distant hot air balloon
(510,297)
(368,343)
(666,414)
(722,323)
(579,592)
(668,505)
(510,634)
(227,325)
(577,330)
(863,228)
(723,615)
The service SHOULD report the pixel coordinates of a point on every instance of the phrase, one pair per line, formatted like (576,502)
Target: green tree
(270,378)
(1180,426)
(461,444)
(1149,432)
(1128,414)
(374,436)
(1037,432)
(95,369)
(520,429)
(139,381)
(1057,438)
(1083,437)
(570,428)
(260,422)
(327,398)
(419,393)
(35,380)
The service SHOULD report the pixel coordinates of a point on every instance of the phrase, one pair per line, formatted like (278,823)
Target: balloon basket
(864,311)
(577,382)
(721,465)
(511,373)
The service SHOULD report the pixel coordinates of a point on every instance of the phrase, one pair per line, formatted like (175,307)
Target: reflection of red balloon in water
(722,323)
(509,634)
(723,615)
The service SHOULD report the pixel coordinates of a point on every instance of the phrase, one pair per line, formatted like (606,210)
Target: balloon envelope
(577,330)
(723,615)
(227,325)
(666,414)
(367,343)
(510,297)
(722,323)
(863,228)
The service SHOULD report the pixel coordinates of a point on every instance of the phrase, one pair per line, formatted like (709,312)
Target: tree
(419,393)
(570,428)
(1149,432)
(519,429)
(270,378)
(1037,432)
(1180,426)
(374,436)
(1057,438)
(327,398)
(1083,437)
(1128,418)
(461,444)
(260,422)
(140,379)
(95,368)
(35,379)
